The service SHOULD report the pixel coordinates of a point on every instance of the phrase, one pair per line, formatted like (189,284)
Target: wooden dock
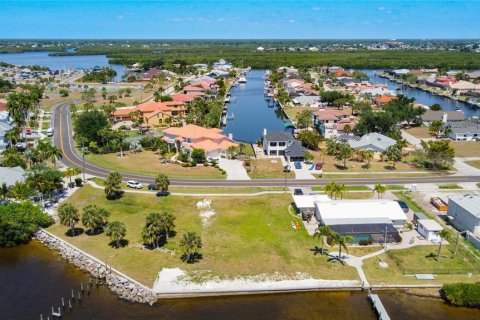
(378,306)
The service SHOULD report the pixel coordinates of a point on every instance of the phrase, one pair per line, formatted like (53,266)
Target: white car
(50,132)
(134,184)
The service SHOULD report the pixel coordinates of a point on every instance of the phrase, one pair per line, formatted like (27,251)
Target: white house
(463,130)
(429,229)
(281,143)
(261,49)
(464,212)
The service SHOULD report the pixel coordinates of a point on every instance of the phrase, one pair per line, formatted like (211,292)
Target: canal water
(251,112)
(423,97)
(61,62)
(33,278)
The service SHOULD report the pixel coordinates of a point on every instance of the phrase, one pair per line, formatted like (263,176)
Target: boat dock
(378,306)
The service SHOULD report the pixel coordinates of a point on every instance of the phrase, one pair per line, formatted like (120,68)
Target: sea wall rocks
(117,282)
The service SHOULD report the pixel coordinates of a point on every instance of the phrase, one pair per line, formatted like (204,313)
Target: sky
(237,19)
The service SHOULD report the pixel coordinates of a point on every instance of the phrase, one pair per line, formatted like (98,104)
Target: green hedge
(463,294)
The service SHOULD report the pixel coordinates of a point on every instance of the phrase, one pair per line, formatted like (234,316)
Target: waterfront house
(10,176)
(371,141)
(281,143)
(218,73)
(463,130)
(381,100)
(306,101)
(378,91)
(191,136)
(222,65)
(464,212)
(332,123)
(185,98)
(446,116)
(153,113)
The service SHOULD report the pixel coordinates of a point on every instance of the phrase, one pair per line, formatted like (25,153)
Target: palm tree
(21,191)
(55,154)
(70,172)
(94,217)
(340,191)
(68,215)
(4,191)
(342,243)
(368,156)
(191,244)
(443,235)
(116,230)
(162,182)
(380,190)
(112,185)
(331,188)
(321,232)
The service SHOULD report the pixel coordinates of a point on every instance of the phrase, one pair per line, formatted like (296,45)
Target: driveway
(234,168)
(303,173)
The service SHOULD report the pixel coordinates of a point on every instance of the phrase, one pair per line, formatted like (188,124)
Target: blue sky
(248,19)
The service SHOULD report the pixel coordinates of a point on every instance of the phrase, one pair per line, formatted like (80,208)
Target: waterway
(423,97)
(61,62)
(33,278)
(251,111)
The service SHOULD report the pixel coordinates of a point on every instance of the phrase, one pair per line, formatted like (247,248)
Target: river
(43,58)
(423,97)
(33,278)
(251,111)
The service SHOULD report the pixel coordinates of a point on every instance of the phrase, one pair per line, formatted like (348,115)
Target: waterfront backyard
(247,236)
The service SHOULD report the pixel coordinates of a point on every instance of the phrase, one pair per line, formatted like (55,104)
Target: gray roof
(464,127)
(295,150)
(11,175)
(278,136)
(373,141)
(474,74)
(469,202)
(431,115)
(306,99)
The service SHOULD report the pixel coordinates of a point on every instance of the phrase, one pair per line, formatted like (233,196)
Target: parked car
(50,132)
(152,186)
(298,192)
(162,193)
(403,205)
(318,166)
(28,131)
(298,165)
(134,184)
(21,146)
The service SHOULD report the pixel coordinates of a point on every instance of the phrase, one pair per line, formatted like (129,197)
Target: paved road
(64,141)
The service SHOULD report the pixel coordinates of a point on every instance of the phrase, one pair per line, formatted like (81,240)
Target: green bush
(462,294)
(19,221)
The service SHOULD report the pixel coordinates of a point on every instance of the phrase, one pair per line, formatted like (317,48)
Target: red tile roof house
(3,106)
(381,100)
(331,123)
(151,73)
(191,136)
(153,113)
(185,98)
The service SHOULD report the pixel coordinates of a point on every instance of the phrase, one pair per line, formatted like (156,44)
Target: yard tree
(321,232)
(394,154)
(191,243)
(360,107)
(158,225)
(438,152)
(88,124)
(342,243)
(309,139)
(379,189)
(112,185)
(435,126)
(104,93)
(70,172)
(162,182)
(21,191)
(4,192)
(94,217)
(304,119)
(436,107)
(198,155)
(117,231)
(68,215)
(344,152)
(443,235)
(334,190)
(332,147)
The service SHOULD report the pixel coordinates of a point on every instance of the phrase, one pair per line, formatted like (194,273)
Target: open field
(474,163)
(419,132)
(268,168)
(246,237)
(147,162)
(466,148)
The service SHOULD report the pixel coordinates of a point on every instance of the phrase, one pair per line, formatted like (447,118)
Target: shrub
(193,163)
(78,182)
(71,185)
(365,242)
(462,294)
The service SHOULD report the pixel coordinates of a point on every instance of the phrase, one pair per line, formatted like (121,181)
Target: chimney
(264,132)
(445,117)
(230,136)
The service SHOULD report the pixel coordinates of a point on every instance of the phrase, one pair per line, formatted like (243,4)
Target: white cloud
(221,19)
(316,8)
(177,19)
(291,20)
(120,17)
(381,8)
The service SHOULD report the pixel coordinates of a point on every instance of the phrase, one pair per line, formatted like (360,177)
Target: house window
(273,144)
(281,152)
(273,152)
(281,144)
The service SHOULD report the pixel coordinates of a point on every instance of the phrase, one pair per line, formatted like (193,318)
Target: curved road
(63,140)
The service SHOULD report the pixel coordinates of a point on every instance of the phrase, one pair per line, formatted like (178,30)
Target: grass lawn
(466,148)
(268,168)
(348,188)
(411,203)
(394,187)
(293,111)
(419,132)
(474,163)
(449,186)
(247,237)
(373,175)
(358,195)
(248,150)
(147,162)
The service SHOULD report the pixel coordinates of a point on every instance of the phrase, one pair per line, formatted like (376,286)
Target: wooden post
(63,303)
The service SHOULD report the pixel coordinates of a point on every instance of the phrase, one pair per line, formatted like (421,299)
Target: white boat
(242,80)
(227,99)
(230,116)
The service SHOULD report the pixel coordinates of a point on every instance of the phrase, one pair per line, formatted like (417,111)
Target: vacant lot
(147,162)
(419,132)
(246,237)
(466,148)
(267,168)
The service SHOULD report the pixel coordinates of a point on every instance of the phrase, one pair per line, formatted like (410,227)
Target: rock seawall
(120,284)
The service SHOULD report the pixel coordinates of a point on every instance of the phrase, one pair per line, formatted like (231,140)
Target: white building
(429,229)
(464,212)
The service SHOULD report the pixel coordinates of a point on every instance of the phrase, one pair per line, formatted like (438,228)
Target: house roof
(124,111)
(374,140)
(330,114)
(184,97)
(11,175)
(431,115)
(464,85)
(308,201)
(3,106)
(193,132)
(384,99)
(295,149)
(464,127)
(430,225)
(469,202)
(278,136)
